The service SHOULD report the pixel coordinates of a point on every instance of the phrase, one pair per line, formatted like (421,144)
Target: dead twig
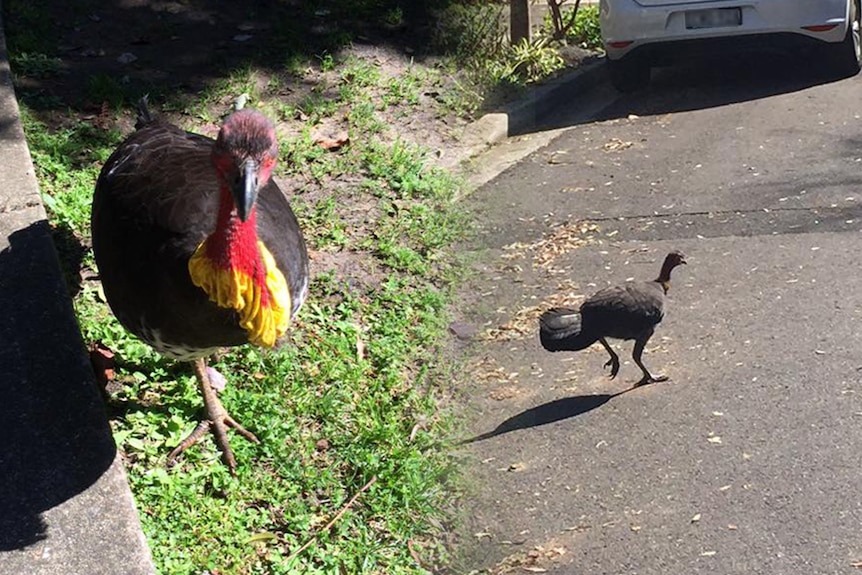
(334,520)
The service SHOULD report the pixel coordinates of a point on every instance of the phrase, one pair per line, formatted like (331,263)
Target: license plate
(713,18)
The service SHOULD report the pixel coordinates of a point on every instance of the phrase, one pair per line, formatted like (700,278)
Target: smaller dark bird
(630,311)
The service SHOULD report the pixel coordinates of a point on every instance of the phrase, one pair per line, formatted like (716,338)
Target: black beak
(245,190)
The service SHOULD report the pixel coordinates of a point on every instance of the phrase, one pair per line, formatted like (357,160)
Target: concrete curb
(65,502)
(536,121)
(524,116)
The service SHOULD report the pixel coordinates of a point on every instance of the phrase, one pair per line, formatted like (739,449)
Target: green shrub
(531,61)
(586,30)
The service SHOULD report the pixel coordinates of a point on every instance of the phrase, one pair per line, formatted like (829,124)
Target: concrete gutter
(65,503)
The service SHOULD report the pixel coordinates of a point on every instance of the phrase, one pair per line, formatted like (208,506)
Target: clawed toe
(218,427)
(615,367)
(646,380)
(217,420)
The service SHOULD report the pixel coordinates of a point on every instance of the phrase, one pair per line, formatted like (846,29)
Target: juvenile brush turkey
(630,311)
(198,248)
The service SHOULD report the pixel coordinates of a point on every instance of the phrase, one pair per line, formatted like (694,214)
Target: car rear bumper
(628,26)
(668,53)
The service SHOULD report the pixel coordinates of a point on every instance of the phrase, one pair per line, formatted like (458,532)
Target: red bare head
(244,155)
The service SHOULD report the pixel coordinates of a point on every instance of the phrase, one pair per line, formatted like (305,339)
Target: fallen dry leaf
(360,348)
(334,143)
(616,145)
(487,370)
(217,380)
(102,360)
(507,392)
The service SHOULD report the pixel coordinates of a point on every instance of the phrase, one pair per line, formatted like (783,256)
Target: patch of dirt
(182,55)
(353,269)
(111,53)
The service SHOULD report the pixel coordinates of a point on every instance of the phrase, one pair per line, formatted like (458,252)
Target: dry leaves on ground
(525,323)
(616,145)
(505,392)
(487,370)
(531,561)
(563,239)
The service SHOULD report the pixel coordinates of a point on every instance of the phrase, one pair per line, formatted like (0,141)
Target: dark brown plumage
(630,311)
(159,196)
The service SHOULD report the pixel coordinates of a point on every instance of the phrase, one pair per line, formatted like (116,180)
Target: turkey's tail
(144,116)
(560,329)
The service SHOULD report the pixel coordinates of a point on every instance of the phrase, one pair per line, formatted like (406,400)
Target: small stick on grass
(332,521)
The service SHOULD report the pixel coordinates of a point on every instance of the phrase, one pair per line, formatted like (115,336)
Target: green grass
(486,69)
(67,163)
(354,395)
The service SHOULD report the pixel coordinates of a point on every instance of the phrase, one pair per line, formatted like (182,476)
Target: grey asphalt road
(748,460)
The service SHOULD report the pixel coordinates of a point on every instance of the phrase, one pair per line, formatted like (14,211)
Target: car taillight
(820,27)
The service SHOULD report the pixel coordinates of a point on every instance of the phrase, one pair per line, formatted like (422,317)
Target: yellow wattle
(234,289)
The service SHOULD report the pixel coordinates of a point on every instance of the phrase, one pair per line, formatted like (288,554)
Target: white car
(639,34)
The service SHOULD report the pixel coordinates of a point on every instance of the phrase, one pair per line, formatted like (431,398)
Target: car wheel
(629,74)
(848,54)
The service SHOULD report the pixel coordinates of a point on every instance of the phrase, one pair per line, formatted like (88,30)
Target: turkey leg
(614,361)
(640,344)
(218,420)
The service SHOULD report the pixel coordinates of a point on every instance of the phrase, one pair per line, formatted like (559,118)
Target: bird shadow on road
(550,412)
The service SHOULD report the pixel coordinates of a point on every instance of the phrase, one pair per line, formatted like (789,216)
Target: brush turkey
(198,248)
(630,311)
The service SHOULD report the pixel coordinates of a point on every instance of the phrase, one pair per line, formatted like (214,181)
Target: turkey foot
(648,379)
(637,355)
(614,361)
(218,420)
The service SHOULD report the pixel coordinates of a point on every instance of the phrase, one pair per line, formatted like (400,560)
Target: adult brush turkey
(198,248)
(630,311)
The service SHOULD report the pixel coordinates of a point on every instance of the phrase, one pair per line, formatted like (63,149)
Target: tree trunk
(519,19)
